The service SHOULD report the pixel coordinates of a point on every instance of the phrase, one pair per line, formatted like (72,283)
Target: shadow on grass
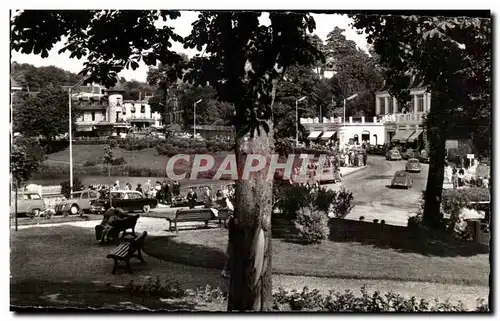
(403,239)
(168,249)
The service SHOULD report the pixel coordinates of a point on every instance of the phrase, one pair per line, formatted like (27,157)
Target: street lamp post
(297,120)
(345,101)
(70,135)
(194,117)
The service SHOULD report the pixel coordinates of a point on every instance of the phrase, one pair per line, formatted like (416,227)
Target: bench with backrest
(127,250)
(120,226)
(198,215)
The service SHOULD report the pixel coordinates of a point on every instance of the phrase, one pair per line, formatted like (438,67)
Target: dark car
(413,165)
(402,179)
(126,200)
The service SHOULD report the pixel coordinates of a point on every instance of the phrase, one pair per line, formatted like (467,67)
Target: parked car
(28,204)
(409,153)
(393,154)
(424,157)
(126,200)
(402,179)
(78,202)
(181,200)
(413,165)
(51,201)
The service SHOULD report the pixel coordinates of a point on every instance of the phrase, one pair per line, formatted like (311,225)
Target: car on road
(402,179)
(28,204)
(78,202)
(413,165)
(393,154)
(424,157)
(128,201)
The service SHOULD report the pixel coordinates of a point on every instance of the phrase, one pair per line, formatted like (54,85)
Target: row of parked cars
(87,201)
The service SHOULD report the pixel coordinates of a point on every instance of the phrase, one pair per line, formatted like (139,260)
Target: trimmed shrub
(311,225)
(312,300)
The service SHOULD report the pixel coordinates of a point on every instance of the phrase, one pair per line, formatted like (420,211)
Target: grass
(366,256)
(63,267)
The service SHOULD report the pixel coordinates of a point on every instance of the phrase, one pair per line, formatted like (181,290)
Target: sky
(324,24)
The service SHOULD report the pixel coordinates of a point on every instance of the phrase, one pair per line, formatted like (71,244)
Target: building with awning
(328,135)
(402,135)
(314,134)
(415,136)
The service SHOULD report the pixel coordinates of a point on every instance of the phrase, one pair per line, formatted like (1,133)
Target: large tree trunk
(250,286)
(437,140)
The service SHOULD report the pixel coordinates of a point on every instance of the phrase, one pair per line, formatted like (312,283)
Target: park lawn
(339,259)
(144,158)
(62,266)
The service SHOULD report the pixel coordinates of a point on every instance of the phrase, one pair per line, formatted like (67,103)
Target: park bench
(198,215)
(120,226)
(127,250)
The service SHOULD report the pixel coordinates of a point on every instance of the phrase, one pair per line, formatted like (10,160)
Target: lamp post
(297,119)
(194,117)
(70,135)
(345,101)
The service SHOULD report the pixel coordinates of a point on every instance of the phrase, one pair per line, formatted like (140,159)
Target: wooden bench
(127,250)
(198,215)
(120,226)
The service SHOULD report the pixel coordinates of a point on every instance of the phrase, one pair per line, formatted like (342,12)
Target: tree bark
(15,206)
(436,132)
(250,286)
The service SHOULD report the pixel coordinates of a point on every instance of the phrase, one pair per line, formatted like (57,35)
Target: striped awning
(314,134)
(327,135)
(415,135)
(402,136)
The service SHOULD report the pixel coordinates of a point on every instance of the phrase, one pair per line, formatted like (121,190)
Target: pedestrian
(191,198)
(147,188)
(139,188)
(461,178)
(454,178)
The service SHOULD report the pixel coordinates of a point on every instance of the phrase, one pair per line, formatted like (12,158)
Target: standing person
(139,188)
(147,188)
(177,188)
(454,178)
(461,178)
(191,198)
(168,192)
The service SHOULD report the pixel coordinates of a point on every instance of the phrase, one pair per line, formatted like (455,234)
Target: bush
(311,225)
(65,187)
(340,204)
(118,161)
(312,300)
(290,198)
(89,163)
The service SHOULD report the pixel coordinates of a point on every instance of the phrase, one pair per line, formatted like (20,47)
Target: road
(373,197)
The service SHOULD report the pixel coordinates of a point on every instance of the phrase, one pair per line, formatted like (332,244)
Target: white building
(355,130)
(404,126)
(103,112)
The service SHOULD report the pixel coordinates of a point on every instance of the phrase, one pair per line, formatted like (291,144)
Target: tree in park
(44,114)
(452,56)
(243,60)
(25,158)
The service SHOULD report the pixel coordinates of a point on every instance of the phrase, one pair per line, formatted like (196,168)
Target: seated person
(110,216)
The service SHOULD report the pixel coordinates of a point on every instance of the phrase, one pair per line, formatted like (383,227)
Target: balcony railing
(340,120)
(402,118)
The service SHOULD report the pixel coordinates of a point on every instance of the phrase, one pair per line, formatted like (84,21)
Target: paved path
(192,277)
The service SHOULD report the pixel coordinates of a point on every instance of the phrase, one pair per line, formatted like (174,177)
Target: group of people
(460,178)
(220,199)
(353,158)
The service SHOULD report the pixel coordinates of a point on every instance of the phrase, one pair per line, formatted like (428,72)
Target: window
(35,197)
(133,196)
(382,105)
(420,103)
(118,115)
(75,195)
(390,105)
(143,109)
(118,102)
(93,116)
(85,195)
(117,195)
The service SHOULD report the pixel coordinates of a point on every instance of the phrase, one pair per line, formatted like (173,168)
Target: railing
(340,120)
(401,118)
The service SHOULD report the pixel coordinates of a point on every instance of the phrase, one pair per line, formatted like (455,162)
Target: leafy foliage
(44,114)
(66,188)
(311,225)
(37,78)
(313,300)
